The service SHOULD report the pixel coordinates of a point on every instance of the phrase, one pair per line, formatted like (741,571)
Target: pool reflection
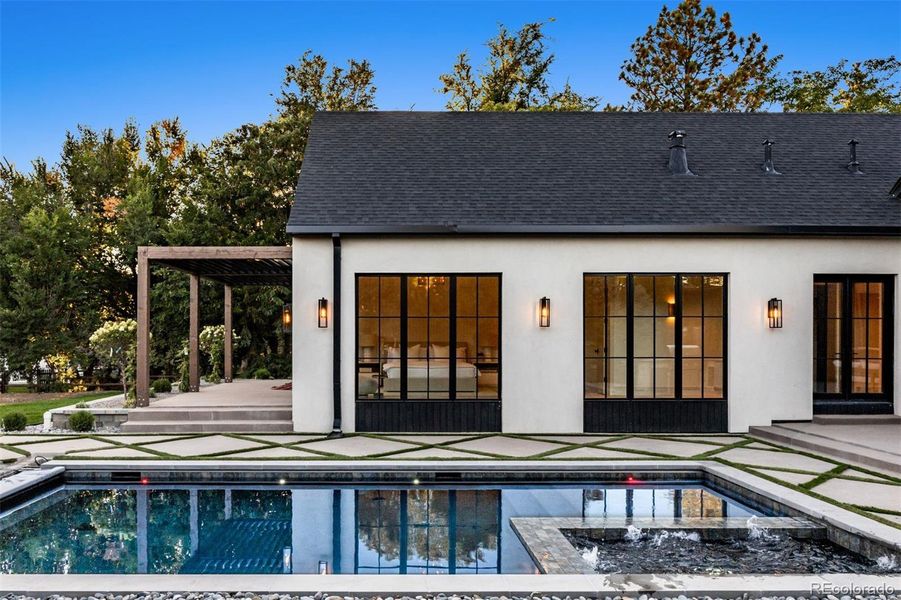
(311,529)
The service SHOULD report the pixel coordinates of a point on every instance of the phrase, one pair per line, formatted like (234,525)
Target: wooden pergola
(228,265)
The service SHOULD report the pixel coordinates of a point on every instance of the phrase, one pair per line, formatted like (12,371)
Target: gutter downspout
(336,334)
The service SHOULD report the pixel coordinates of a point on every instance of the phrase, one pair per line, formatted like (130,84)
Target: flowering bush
(212,343)
(65,373)
(115,344)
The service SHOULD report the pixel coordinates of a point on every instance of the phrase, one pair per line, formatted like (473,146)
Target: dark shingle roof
(396,172)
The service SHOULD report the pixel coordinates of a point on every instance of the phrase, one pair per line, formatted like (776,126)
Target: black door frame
(847,402)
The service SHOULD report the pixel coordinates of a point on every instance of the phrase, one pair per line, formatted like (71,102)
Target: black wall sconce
(544,312)
(774,313)
(323,313)
(670,309)
(286,318)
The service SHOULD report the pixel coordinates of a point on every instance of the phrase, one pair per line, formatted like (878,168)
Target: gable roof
(441,172)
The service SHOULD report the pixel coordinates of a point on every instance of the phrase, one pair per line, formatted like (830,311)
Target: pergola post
(142,385)
(194,335)
(227,348)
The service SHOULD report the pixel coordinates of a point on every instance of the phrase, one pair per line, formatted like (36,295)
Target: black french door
(853,329)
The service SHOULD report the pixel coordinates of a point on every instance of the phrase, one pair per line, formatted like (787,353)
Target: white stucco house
(594,272)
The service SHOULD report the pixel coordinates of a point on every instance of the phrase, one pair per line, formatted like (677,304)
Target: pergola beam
(142,385)
(219,252)
(227,348)
(194,335)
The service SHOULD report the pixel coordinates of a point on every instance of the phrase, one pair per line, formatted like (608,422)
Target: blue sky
(217,64)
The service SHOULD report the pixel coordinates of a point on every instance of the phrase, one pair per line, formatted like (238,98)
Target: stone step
(261,413)
(857,419)
(242,426)
(839,450)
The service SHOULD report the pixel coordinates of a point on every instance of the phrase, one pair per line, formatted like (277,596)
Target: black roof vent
(768,167)
(678,156)
(853,164)
(895,192)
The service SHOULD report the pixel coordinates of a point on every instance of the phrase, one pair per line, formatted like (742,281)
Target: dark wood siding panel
(429,416)
(656,416)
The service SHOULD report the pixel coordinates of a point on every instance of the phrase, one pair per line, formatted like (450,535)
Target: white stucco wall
(769,371)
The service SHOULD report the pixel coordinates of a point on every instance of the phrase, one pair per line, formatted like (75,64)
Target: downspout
(336,334)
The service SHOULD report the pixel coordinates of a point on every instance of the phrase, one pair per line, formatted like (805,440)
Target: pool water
(314,529)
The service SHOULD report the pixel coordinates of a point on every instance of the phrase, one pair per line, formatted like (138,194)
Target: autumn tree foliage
(514,77)
(691,60)
(869,86)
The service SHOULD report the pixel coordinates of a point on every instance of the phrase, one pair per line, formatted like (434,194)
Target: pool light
(416,481)
(145,480)
(281,482)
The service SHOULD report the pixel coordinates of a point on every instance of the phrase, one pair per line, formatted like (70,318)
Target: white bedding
(420,369)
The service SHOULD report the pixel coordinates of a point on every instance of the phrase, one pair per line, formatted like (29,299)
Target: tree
(515,77)
(692,61)
(869,86)
(115,344)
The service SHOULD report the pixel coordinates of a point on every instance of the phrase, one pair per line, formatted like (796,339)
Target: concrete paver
(573,439)
(425,453)
(682,449)
(723,440)
(119,452)
(356,446)
(589,452)
(428,439)
(19,439)
(138,439)
(507,446)
(877,495)
(201,446)
(764,458)
(6,455)
(276,452)
(285,439)
(62,446)
(794,478)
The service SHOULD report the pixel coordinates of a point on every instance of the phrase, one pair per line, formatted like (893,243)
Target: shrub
(15,421)
(262,373)
(162,386)
(81,420)
(81,404)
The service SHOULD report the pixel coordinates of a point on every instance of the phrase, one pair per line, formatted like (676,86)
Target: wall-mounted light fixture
(671,309)
(544,312)
(286,318)
(323,567)
(323,313)
(774,313)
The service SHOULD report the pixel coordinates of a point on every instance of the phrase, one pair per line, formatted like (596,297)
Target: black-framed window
(853,337)
(655,336)
(414,330)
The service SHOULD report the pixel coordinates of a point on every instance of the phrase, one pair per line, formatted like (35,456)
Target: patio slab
(64,445)
(793,478)
(201,446)
(139,439)
(276,452)
(428,439)
(6,455)
(862,493)
(724,440)
(589,452)
(19,439)
(117,452)
(507,446)
(435,453)
(356,446)
(764,458)
(286,439)
(682,449)
(573,439)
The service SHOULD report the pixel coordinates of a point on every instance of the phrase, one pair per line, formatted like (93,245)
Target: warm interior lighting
(323,313)
(286,318)
(774,313)
(544,312)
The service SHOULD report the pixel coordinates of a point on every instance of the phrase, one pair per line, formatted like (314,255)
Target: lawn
(34,411)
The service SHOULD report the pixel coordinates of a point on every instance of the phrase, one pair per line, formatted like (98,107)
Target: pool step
(217,426)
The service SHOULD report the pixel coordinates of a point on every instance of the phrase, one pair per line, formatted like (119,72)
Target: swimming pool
(340,529)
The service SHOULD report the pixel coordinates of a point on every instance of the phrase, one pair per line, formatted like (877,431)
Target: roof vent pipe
(768,167)
(678,156)
(853,164)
